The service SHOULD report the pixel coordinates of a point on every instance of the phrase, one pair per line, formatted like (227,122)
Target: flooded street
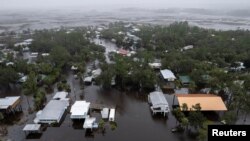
(133,117)
(109,47)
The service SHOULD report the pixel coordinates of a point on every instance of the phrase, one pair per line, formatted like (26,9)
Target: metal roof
(168,74)
(80,108)
(158,98)
(32,127)
(53,110)
(61,95)
(89,122)
(8,101)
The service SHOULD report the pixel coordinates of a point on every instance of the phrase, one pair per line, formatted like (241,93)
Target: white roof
(89,122)
(168,74)
(28,40)
(32,127)
(8,101)
(96,72)
(23,79)
(105,112)
(112,115)
(53,111)
(60,95)
(80,108)
(45,54)
(154,65)
(88,79)
(158,99)
(74,68)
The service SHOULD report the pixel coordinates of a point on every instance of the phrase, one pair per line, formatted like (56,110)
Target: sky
(107,4)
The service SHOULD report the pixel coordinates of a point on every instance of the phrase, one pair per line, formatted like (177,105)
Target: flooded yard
(133,117)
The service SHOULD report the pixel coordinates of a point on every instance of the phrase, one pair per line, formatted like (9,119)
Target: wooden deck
(97,106)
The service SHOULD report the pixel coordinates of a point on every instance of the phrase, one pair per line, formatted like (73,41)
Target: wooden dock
(98,106)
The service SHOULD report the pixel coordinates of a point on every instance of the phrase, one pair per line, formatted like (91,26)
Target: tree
(8,76)
(196,119)
(1,117)
(184,107)
(60,56)
(39,98)
(30,86)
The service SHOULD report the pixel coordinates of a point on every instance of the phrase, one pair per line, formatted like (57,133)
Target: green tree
(60,56)
(196,119)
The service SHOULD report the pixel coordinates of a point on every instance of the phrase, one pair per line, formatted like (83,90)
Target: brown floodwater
(133,117)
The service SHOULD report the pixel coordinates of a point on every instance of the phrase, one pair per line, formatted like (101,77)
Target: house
(122,52)
(167,75)
(34,54)
(208,102)
(188,47)
(74,68)
(79,110)
(158,103)
(23,79)
(90,123)
(96,73)
(237,66)
(168,79)
(155,65)
(10,104)
(88,80)
(52,112)
(45,54)
(185,80)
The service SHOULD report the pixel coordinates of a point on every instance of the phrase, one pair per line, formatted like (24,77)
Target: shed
(105,113)
(159,102)
(112,115)
(32,128)
(79,110)
(90,123)
(185,79)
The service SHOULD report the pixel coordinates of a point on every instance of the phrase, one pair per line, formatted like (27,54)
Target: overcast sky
(95,4)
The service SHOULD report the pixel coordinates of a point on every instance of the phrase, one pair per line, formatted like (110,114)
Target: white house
(79,110)
(168,75)
(188,47)
(158,103)
(52,112)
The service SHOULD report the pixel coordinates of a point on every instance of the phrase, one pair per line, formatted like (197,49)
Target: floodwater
(109,47)
(133,117)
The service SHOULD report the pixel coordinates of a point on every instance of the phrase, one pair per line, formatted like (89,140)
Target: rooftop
(157,98)
(168,74)
(60,95)
(32,127)
(7,102)
(53,111)
(80,108)
(208,102)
